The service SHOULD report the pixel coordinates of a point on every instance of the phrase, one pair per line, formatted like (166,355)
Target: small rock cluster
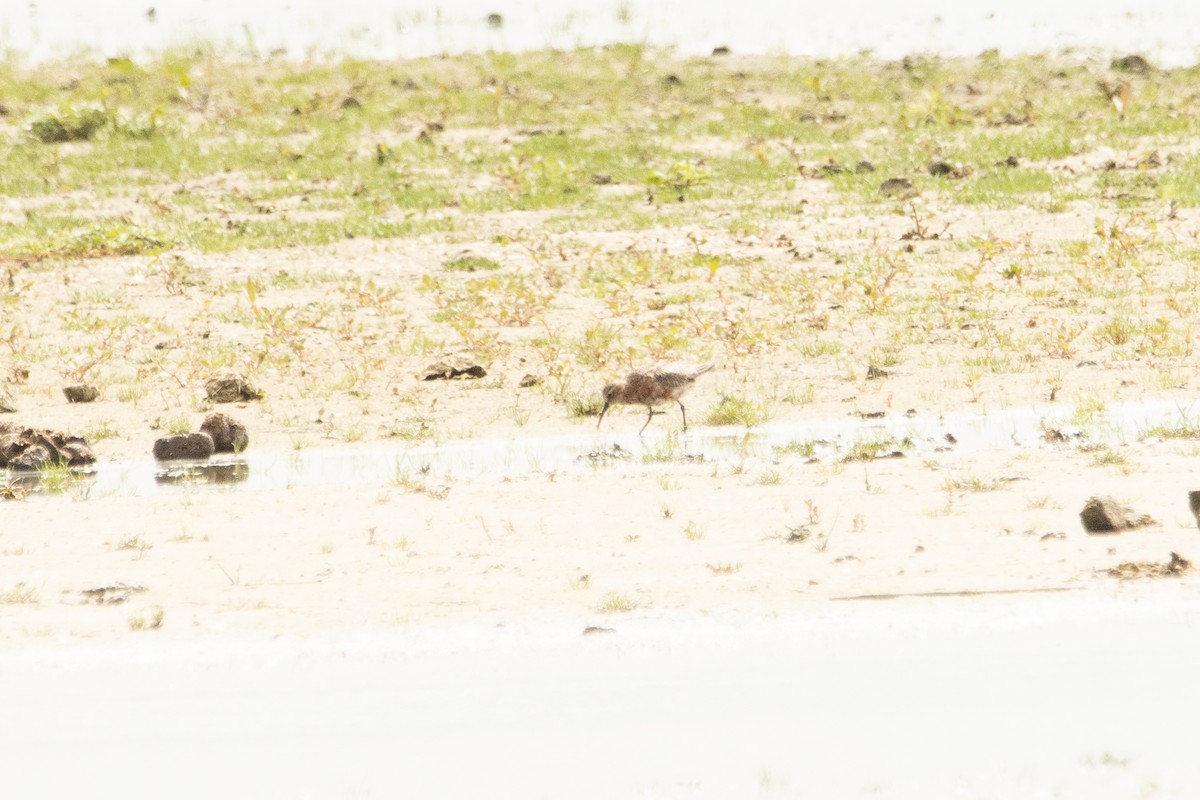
(219,433)
(33,449)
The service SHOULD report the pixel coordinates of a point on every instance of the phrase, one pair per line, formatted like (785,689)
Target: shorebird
(650,388)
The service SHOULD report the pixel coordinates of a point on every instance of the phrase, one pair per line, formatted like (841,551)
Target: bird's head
(610,394)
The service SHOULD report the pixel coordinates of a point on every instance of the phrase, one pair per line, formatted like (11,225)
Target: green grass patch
(737,411)
(470,263)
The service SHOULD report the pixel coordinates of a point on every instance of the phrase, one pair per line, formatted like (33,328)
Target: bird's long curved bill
(603,411)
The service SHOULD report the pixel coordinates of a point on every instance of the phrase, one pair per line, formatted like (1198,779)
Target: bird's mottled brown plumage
(652,387)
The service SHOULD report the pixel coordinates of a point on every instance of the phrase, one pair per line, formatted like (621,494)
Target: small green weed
(19,595)
(616,603)
(71,124)
(470,263)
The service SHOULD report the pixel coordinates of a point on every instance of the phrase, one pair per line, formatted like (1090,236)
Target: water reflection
(199,473)
(18,484)
(814,441)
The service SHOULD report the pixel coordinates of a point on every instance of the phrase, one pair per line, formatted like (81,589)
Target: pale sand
(1079,695)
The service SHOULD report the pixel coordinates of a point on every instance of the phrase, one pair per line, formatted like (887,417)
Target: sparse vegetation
(470,263)
(736,411)
(151,623)
(417,481)
(20,594)
(616,603)
(969,482)
(803,449)
(1185,428)
(873,447)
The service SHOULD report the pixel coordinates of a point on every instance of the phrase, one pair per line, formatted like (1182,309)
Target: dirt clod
(1106,515)
(228,435)
(1177,565)
(81,393)
(183,446)
(450,368)
(31,449)
(231,389)
(1132,63)
(110,595)
(944,169)
(896,187)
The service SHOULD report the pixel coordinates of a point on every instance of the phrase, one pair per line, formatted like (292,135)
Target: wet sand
(1082,695)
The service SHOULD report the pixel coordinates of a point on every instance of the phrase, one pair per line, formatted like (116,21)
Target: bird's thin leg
(649,417)
(683,411)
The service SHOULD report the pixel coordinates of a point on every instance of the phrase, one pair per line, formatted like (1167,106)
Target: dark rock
(602,179)
(1011,161)
(944,169)
(832,167)
(875,373)
(35,457)
(1194,502)
(1106,515)
(452,367)
(495,21)
(720,50)
(672,80)
(529,380)
(1132,63)
(863,167)
(231,389)
(27,448)
(9,446)
(183,445)
(896,187)
(228,435)
(77,451)
(81,393)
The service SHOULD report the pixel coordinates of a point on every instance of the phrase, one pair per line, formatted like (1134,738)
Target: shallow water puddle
(818,440)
